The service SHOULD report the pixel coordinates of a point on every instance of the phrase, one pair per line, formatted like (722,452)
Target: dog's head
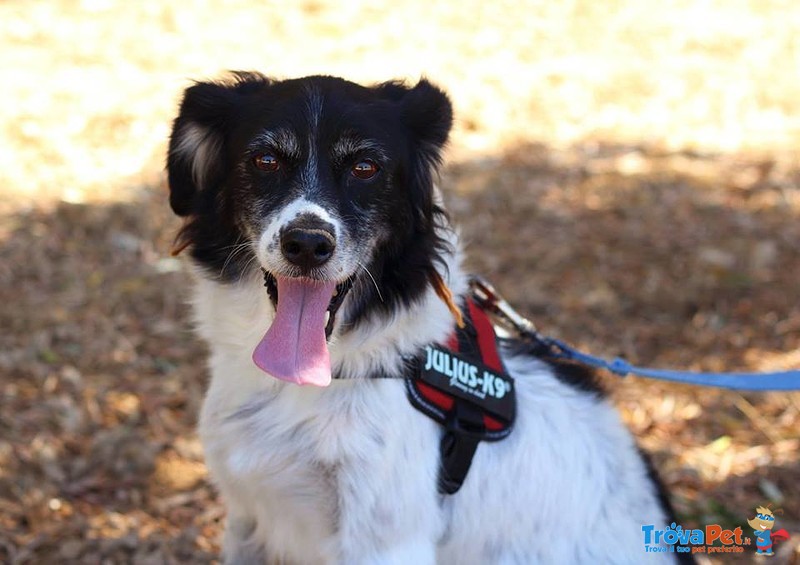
(325,185)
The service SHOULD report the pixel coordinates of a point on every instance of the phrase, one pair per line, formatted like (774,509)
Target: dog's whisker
(380,296)
(236,249)
(246,267)
(237,244)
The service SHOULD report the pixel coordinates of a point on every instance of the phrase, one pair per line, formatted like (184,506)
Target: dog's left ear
(428,114)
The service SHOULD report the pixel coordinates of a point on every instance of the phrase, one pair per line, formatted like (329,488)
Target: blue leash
(490,300)
(783,380)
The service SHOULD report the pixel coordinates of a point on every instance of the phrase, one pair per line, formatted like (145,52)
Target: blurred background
(625,171)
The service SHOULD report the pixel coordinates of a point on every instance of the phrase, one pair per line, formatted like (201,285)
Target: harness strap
(486,336)
(458,446)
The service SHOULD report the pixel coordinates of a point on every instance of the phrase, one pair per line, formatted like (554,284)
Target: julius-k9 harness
(464,386)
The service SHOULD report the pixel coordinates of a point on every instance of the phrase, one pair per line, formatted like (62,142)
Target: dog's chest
(303,459)
(296,434)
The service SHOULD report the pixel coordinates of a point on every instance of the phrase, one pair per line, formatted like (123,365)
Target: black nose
(307,248)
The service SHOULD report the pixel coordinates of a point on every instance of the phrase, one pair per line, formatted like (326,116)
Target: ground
(625,172)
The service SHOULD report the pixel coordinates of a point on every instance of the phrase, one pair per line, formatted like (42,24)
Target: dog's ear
(196,158)
(428,114)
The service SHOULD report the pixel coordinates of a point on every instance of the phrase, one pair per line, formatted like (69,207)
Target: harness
(464,386)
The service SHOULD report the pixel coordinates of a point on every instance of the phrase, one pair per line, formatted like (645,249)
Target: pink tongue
(294,348)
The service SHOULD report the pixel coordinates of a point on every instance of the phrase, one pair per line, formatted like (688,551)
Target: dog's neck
(377,345)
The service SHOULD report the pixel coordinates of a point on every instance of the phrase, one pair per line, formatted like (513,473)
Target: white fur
(347,474)
(200,146)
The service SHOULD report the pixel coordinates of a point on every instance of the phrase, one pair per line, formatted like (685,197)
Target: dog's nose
(307,248)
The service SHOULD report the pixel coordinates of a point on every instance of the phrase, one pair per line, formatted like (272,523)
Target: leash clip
(492,301)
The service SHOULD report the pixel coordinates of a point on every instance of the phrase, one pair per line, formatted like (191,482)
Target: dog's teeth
(327,317)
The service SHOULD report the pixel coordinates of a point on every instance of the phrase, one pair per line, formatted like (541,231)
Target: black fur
(412,124)
(666,505)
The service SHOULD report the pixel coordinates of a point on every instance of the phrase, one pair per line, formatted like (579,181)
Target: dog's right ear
(196,158)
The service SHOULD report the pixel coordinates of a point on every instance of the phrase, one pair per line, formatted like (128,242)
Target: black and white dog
(327,188)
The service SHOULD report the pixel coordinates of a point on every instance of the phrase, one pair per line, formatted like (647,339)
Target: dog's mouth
(339,293)
(295,347)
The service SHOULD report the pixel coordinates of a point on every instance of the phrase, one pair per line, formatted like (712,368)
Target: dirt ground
(626,172)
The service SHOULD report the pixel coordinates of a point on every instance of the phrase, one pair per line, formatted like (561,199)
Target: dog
(324,263)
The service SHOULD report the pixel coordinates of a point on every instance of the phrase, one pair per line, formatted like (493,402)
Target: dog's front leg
(238,544)
(390,548)
(389,509)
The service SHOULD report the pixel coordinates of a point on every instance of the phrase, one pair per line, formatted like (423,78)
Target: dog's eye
(365,170)
(266,162)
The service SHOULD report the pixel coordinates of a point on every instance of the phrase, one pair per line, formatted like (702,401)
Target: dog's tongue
(294,348)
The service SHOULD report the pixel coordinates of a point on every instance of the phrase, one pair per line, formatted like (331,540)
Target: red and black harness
(464,386)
